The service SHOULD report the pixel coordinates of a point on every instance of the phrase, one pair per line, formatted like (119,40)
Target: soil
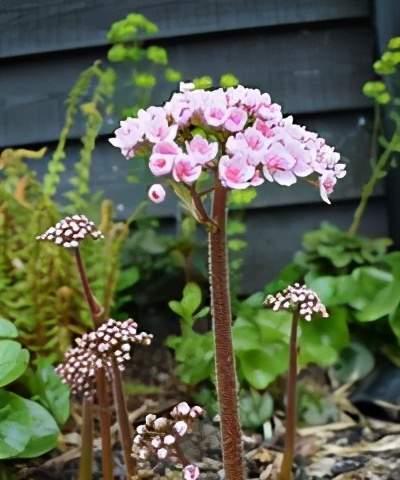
(355,447)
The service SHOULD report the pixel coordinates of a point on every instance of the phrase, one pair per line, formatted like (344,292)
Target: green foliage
(228,80)
(255,408)
(27,429)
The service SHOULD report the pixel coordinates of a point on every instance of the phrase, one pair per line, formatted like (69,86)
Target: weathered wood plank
(319,69)
(348,131)
(274,235)
(36,26)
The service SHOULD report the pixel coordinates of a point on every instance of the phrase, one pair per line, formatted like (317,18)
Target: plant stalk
(377,173)
(105,424)
(125,429)
(291,407)
(231,434)
(86,460)
(95,308)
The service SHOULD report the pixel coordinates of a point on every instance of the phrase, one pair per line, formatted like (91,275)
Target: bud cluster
(159,437)
(297,298)
(70,231)
(98,349)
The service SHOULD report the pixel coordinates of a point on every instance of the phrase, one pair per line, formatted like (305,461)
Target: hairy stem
(125,429)
(224,356)
(94,307)
(105,424)
(291,407)
(86,460)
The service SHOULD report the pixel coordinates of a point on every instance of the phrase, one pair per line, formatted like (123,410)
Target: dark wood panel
(32,26)
(307,70)
(348,131)
(275,235)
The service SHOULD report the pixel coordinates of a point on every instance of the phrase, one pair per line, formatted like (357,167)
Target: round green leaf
(261,367)
(15,423)
(7,329)
(355,362)
(13,361)
(43,431)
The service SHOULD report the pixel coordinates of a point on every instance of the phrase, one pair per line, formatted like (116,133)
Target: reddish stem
(86,460)
(224,356)
(95,308)
(125,429)
(291,407)
(105,424)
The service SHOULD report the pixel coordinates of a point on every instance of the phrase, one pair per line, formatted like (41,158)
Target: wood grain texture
(307,70)
(348,131)
(37,26)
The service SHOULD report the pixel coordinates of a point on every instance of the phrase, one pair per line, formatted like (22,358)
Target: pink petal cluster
(243,136)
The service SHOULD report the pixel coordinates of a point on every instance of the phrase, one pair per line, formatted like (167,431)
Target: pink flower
(235,172)
(264,128)
(162,158)
(156,193)
(155,125)
(302,167)
(185,169)
(201,151)
(278,164)
(327,183)
(236,120)
(127,136)
(191,472)
(257,180)
(250,141)
(181,428)
(216,112)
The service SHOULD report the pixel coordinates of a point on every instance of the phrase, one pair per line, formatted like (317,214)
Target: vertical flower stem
(105,425)
(291,408)
(95,309)
(125,429)
(224,356)
(86,460)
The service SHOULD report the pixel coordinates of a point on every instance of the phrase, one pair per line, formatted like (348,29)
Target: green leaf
(255,408)
(172,76)
(13,361)
(322,339)
(128,277)
(15,424)
(157,55)
(383,303)
(355,362)
(241,198)
(246,336)
(191,299)
(43,431)
(7,329)
(261,367)
(47,388)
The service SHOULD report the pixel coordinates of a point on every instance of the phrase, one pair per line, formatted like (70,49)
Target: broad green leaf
(355,362)
(273,326)
(7,329)
(255,409)
(13,361)
(48,389)
(383,303)
(245,337)
(128,277)
(261,367)
(322,339)
(15,423)
(191,299)
(43,431)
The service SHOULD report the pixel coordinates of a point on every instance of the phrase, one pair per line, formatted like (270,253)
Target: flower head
(241,125)
(297,298)
(70,231)
(159,437)
(99,349)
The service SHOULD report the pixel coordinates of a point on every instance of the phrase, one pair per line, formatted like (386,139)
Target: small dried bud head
(70,231)
(297,298)
(181,428)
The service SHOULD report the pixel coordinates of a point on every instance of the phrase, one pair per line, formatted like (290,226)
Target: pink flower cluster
(243,137)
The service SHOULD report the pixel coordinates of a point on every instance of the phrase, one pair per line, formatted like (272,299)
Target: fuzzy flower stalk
(159,438)
(208,143)
(304,304)
(97,359)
